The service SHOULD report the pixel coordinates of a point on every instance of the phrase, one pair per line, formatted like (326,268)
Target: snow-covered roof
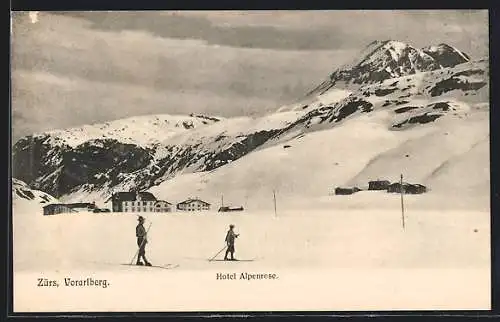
(191,200)
(158,201)
(132,196)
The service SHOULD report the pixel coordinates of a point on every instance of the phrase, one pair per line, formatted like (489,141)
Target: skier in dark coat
(140,233)
(230,237)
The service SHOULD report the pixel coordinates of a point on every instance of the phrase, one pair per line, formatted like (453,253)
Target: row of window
(137,203)
(138,209)
(190,208)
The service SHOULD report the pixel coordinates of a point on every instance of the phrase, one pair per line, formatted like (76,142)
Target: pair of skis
(171,266)
(168,266)
(231,260)
(227,260)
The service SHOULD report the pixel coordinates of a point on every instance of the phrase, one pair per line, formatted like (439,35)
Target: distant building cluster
(385,185)
(147,202)
(132,202)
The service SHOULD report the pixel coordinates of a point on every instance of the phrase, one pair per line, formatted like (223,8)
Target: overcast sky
(77,68)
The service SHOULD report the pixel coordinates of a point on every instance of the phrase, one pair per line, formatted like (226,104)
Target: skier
(230,237)
(140,233)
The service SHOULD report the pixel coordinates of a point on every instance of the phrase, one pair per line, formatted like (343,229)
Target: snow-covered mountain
(446,55)
(57,161)
(375,117)
(382,60)
(416,98)
(60,162)
(23,195)
(432,127)
(144,130)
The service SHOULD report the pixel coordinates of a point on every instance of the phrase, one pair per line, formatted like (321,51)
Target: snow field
(319,239)
(324,259)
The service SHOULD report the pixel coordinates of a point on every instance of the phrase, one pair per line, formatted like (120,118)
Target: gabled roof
(157,201)
(123,196)
(191,200)
(132,196)
(147,196)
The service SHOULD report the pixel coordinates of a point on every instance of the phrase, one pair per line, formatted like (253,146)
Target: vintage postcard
(227,161)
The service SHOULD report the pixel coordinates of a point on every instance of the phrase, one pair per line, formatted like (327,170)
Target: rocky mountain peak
(446,55)
(385,59)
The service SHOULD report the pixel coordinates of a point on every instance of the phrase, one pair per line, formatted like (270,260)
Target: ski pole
(143,241)
(220,251)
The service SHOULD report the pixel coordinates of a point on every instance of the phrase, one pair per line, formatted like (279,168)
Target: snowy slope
(412,98)
(379,131)
(202,149)
(23,197)
(429,120)
(446,55)
(332,96)
(471,167)
(305,170)
(59,160)
(145,130)
(379,61)
(302,151)
(448,145)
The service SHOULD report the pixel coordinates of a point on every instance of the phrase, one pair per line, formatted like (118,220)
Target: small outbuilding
(346,191)
(229,209)
(407,188)
(55,209)
(379,185)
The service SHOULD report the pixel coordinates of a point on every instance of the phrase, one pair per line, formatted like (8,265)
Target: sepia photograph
(230,161)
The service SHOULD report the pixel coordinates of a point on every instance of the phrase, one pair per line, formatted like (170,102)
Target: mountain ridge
(382,60)
(411,102)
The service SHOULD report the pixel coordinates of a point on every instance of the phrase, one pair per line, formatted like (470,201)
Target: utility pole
(274,198)
(402,202)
